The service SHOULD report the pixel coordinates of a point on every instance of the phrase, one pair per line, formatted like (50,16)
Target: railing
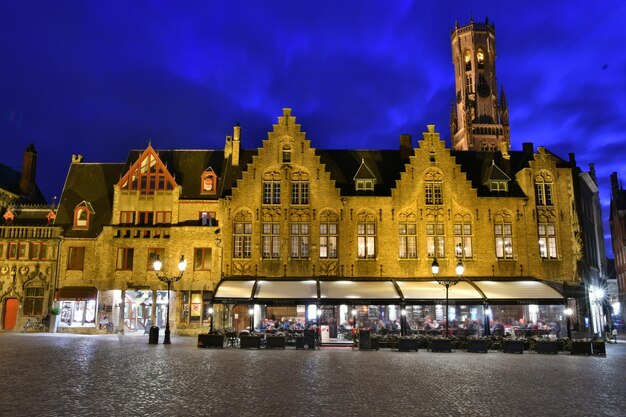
(29,232)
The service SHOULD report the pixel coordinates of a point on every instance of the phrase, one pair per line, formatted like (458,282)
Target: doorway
(10,313)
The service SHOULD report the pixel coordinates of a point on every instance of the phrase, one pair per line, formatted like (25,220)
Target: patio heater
(568,314)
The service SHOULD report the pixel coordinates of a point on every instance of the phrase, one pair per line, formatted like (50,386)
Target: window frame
(242,240)
(81,223)
(152,253)
(76,258)
(328,239)
(406,239)
(270,240)
(547,241)
(300,240)
(125,259)
(462,236)
(33,303)
(435,240)
(206,255)
(366,239)
(127,217)
(501,238)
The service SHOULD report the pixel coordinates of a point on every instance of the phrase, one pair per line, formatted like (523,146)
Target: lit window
(76,258)
(82,214)
(300,240)
(270,240)
(547,240)
(208,182)
(366,239)
(480,58)
(202,259)
(365,185)
(435,240)
(504,240)
(207,218)
(124,259)
(328,235)
(463,240)
(148,175)
(407,240)
(467,59)
(498,185)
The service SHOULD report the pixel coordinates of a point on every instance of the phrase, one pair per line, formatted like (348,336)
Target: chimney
(572,159)
(406,149)
(236,144)
(29,170)
(614,185)
(527,147)
(592,172)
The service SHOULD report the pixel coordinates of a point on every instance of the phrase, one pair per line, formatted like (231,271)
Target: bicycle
(36,325)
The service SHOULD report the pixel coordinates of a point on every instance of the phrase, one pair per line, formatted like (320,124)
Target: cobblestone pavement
(72,375)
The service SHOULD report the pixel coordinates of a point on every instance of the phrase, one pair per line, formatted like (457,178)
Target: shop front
(524,307)
(78,307)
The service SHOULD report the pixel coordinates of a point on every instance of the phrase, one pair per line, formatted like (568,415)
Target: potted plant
(53,322)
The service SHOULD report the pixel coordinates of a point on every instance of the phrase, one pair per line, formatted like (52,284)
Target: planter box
(544,346)
(598,348)
(440,345)
(375,343)
(512,346)
(477,346)
(580,348)
(210,341)
(275,342)
(407,345)
(247,342)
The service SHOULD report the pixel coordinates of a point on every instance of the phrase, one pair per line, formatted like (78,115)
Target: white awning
(287,289)
(355,290)
(235,289)
(518,290)
(432,290)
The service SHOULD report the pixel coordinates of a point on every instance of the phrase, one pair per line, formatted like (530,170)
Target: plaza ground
(111,375)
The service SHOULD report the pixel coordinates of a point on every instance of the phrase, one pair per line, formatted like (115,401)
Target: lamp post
(211,319)
(403,321)
(251,315)
(568,314)
(157,265)
(447,282)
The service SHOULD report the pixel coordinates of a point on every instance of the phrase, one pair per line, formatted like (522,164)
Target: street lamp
(447,282)
(157,265)
(211,319)
(568,314)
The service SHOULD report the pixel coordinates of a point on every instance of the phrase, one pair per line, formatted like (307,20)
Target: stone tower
(479,121)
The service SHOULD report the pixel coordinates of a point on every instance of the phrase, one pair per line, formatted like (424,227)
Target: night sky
(100,78)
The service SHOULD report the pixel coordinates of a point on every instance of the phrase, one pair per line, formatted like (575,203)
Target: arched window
(503,234)
(467,59)
(480,58)
(366,235)
(328,234)
(543,189)
(407,236)
(208,182)
(242,233)
(82,215)
(271,187)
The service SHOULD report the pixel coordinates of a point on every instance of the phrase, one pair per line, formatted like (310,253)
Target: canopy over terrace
(288,291)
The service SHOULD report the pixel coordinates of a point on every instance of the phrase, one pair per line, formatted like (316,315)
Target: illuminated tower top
(479,121)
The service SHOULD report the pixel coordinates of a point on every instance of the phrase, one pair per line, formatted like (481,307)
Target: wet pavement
(110,375)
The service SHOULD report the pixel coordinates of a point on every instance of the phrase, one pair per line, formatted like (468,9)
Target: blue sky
(100,78)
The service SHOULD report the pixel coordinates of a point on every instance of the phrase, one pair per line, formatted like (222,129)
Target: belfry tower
(479,121)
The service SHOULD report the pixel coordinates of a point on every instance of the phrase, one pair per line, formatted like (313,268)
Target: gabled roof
(364,173)
(493,173)
(93,183)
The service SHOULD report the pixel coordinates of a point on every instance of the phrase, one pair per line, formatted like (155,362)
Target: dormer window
(364,179)
(9,217)
(208,181)
(498,186)
(365,185)
(286,154)
(82,215)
